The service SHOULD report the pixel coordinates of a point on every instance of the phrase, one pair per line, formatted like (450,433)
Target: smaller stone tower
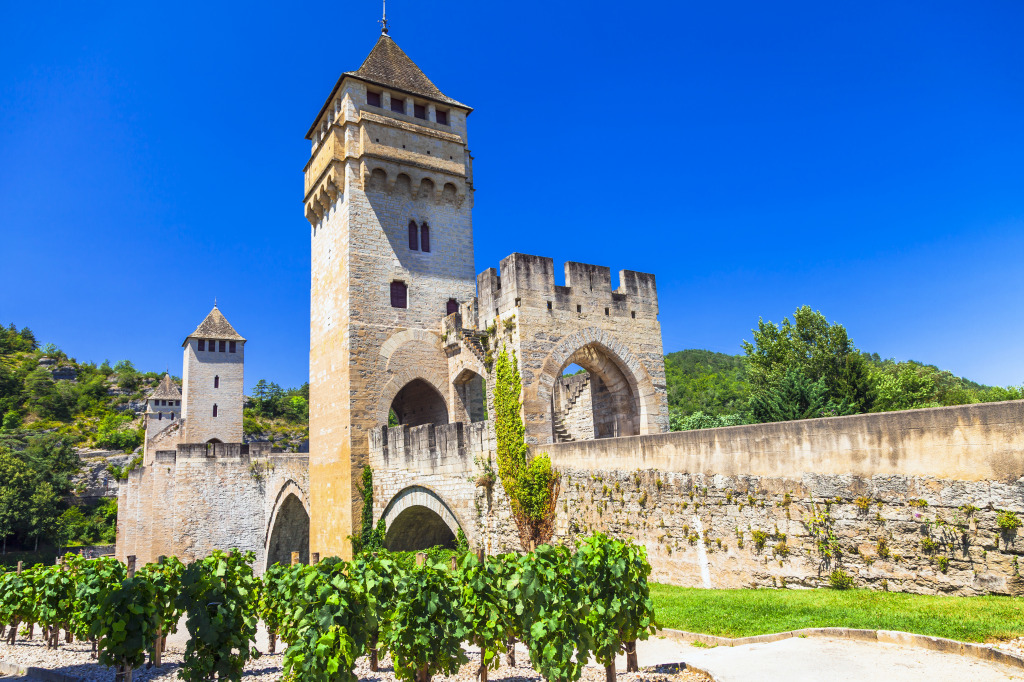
(163,407)
(211,406)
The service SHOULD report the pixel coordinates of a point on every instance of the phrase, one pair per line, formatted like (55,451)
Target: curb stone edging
(36,673)
(940,644)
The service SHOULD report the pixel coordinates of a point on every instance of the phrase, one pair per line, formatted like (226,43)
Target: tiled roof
(215,326)
(389,66)
(167,389)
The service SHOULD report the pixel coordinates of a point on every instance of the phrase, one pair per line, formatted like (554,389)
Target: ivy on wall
(531,485)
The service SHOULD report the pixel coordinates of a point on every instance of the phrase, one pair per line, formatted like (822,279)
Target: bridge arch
(418,518)
(288,528)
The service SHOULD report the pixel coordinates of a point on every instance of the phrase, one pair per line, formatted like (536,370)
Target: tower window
(232,346)
(178,403)
(399,295)
(452,306)
(216,382)
(579,309)
(373,98)
(419,110)
(159,416)
(215,409)
(414,239)
(425,238)
(549,305)
(397,104)
(633,314)
(223,346)
(605,311)
(442,116)
(202,344)
(172,416)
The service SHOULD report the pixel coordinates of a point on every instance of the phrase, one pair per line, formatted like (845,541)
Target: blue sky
(864,159)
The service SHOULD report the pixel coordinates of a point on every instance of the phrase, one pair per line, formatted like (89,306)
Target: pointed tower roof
(389,66)
(167,389)
(215,326)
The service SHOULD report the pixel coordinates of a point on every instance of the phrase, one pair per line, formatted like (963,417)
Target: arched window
(451,307)
(159,416)
(172,416)
(425,237)
(216,382)
(414,240)
(215,409)
(399,295)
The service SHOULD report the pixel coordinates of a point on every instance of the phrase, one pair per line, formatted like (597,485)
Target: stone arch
(378,180)
(449,193)
(426,189)
(403,184)
(470,396)
(418,518)
(601,354)
(409,356)
(288,528)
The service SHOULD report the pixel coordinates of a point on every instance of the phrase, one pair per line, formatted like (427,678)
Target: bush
(115,433)
(1008,520)
(840,580)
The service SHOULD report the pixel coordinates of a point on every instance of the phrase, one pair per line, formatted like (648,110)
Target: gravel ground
(73,659)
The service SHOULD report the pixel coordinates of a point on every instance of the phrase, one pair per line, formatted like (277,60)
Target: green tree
(808,350)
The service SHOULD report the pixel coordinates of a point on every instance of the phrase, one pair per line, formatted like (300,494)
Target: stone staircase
(562,434)
(472,341)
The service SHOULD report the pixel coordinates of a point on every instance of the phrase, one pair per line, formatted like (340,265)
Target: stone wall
(202,497)
(905,501)
(614,335)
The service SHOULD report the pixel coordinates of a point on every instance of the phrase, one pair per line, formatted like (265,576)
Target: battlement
(431,449)
(526,280)
(212,451)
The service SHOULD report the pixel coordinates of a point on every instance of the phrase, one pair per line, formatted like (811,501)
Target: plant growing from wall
(531,486)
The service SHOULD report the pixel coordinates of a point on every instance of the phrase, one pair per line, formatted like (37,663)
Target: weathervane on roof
(384,19)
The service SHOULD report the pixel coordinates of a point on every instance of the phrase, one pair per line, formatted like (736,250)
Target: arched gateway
(417,518)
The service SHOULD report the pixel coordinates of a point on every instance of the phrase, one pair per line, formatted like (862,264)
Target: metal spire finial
(384,19)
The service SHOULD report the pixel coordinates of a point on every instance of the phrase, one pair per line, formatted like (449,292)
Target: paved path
(819,659)
(811,659)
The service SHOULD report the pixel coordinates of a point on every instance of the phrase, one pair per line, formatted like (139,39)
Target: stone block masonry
(905,501)
(203,497)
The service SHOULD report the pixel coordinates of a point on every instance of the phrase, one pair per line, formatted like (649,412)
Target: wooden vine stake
(295,558)
(421,558)
(314,558)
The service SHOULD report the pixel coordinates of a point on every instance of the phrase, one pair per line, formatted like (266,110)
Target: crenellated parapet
(450,449)
(525,280)
(212,451)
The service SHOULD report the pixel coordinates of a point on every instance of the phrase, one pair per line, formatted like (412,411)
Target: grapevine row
(564,607)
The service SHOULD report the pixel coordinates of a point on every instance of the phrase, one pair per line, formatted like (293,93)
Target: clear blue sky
(866,159)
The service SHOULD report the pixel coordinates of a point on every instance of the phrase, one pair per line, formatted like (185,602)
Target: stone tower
(388,195)
(163,407)
(211,406)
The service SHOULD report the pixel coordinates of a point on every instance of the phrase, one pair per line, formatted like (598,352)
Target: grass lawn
(741,613)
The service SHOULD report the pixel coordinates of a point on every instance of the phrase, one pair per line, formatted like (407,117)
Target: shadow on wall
(417,528)
(290,534)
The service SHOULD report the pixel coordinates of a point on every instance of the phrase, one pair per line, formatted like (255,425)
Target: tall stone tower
(163,407)
(211,405)
(388,195)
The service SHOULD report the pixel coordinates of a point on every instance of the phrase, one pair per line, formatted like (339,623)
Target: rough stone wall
(912,499)
(614,335)
(199,394)
(901,533)
(575,404)
(371,172)
(907,501)
(203,497)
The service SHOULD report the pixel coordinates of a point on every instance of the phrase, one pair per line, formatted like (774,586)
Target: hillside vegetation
(802,369)
(52,406)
